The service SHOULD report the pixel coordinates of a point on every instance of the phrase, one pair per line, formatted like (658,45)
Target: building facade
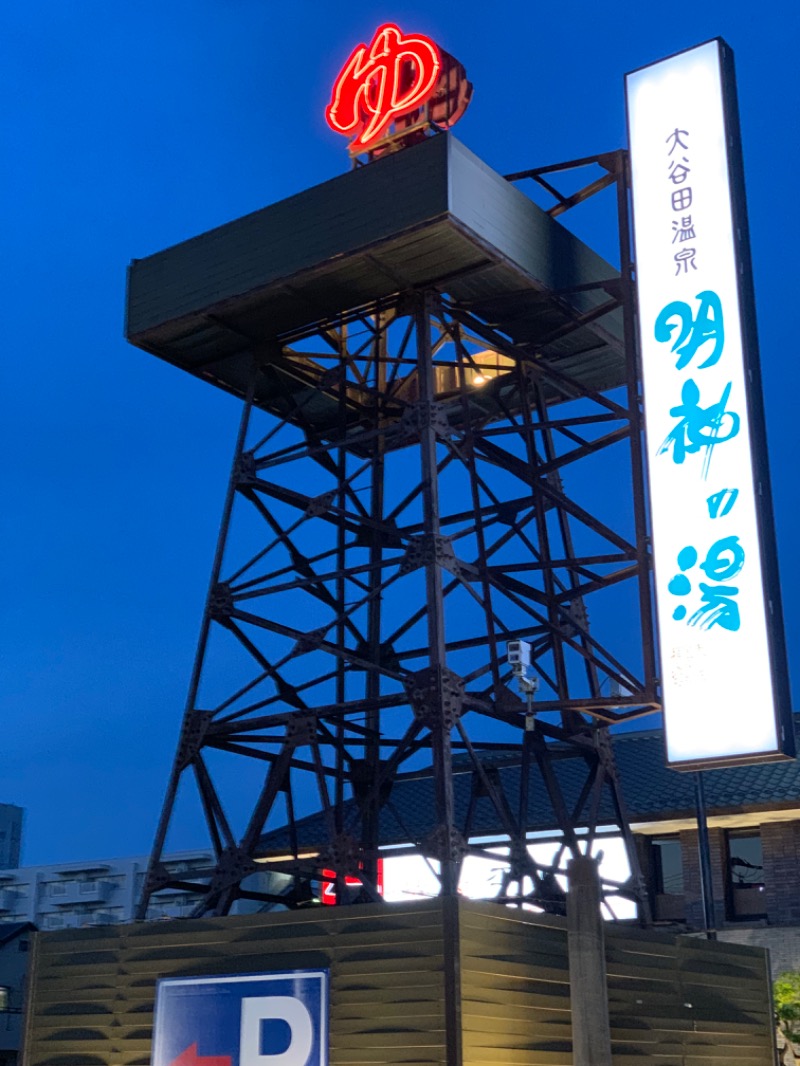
(15,939)
(94,892)
(10,835)
(754,830)
(755,863)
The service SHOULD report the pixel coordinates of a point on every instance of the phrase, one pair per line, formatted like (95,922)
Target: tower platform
(432,216)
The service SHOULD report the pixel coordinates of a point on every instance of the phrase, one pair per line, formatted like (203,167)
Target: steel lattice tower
(438,453)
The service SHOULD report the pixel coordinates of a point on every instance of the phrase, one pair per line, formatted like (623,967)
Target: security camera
(519,659)
(519,654)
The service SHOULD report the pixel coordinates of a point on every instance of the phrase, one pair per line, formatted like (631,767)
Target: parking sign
(269,1019)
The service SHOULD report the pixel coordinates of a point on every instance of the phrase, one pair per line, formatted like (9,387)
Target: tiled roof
(652,792)
(11,930)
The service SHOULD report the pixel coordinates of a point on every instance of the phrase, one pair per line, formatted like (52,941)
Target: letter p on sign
(284,1009)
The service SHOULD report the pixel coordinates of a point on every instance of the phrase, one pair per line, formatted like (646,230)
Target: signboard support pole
(706,881)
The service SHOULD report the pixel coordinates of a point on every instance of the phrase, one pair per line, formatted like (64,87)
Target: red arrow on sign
(189,1057)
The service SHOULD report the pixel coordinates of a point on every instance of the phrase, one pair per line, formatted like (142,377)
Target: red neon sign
(328,885)
(380,82)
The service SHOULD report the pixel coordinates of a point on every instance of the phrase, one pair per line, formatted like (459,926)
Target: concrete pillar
(591,1033)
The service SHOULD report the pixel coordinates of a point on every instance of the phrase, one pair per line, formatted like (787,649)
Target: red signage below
(189,1057)
(328,886)
(392,82)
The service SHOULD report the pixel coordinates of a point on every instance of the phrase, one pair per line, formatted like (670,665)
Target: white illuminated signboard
(722,658)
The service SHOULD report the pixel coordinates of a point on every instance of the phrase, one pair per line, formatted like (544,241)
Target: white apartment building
(95,892)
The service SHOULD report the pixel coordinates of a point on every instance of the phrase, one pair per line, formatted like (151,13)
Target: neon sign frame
(391,77)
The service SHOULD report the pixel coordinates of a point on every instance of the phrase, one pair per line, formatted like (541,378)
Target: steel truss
(463,492)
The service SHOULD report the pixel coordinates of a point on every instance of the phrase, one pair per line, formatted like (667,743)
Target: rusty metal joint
(220,602)
(193,735)
(437,697)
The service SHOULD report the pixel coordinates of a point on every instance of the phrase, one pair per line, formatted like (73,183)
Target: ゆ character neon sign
(392,79)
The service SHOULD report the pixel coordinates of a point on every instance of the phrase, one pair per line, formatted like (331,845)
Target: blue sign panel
(270,1019)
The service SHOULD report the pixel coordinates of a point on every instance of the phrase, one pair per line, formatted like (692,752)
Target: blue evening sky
(127,127)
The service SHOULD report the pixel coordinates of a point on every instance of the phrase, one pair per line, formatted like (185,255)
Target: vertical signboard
(271,1019)
(723,664)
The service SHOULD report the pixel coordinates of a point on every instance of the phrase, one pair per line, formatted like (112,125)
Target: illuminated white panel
(410,877)
(719,703)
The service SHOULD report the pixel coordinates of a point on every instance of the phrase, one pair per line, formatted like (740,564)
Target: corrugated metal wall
(672,999)
(92,990)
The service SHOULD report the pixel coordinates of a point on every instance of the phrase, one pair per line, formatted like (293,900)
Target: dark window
(23,945)
(4,998)
(668,863)
(745,887)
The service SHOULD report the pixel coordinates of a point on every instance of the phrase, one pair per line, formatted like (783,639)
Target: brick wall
(781,850)
(691,875)
(780,842)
